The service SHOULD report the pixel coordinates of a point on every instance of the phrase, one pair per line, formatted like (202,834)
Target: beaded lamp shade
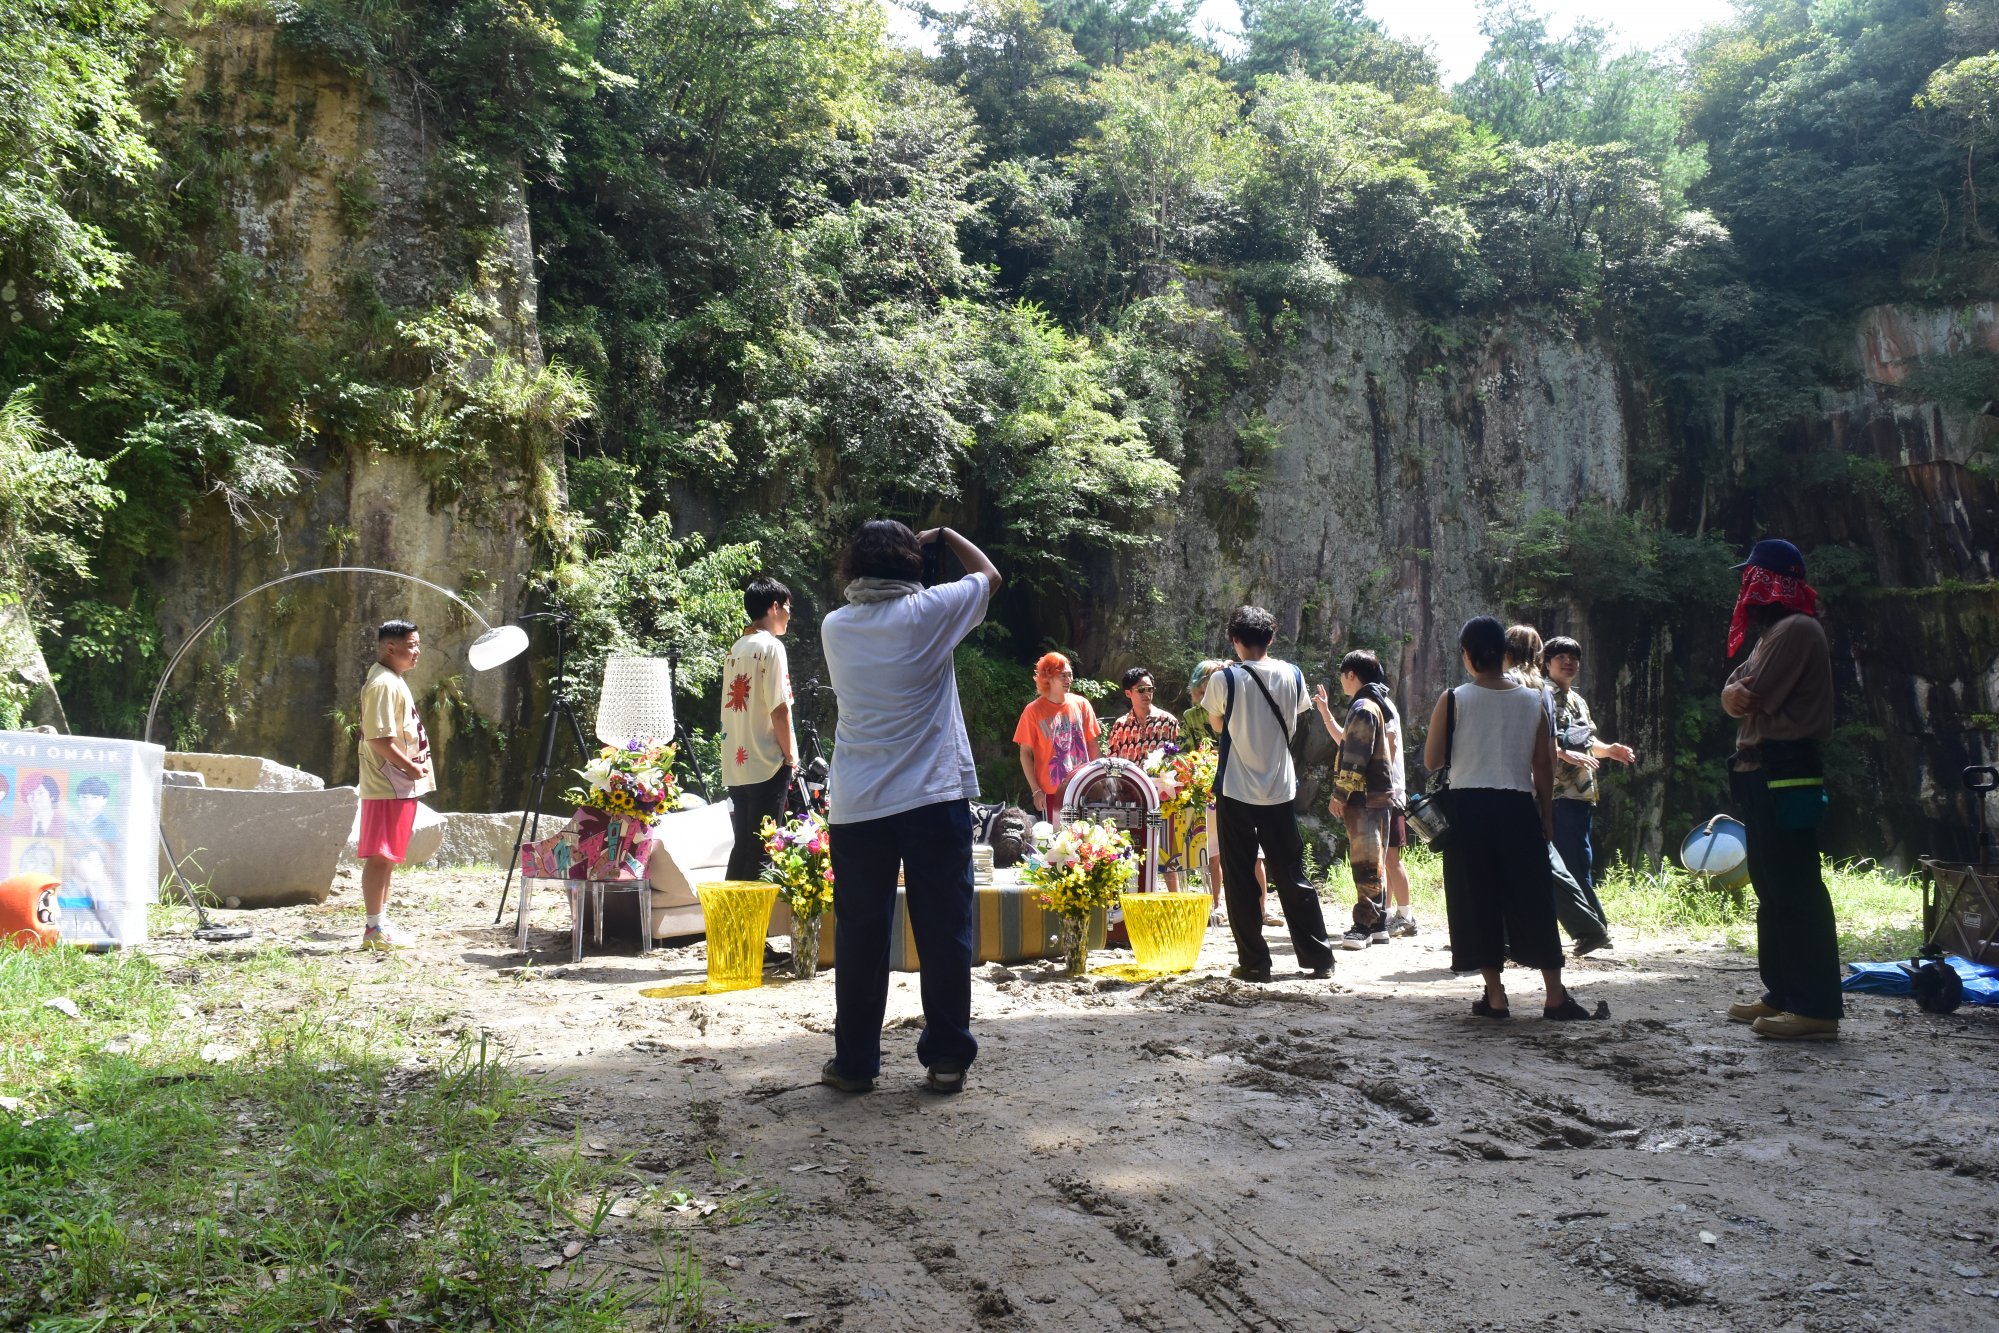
(637,700)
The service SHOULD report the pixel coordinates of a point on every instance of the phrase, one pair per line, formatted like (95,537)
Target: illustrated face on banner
(39,805)
(94,806)
(89,871)
(37,857)
(7,792)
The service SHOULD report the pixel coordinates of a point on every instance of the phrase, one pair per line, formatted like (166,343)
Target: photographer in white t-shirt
(900,796)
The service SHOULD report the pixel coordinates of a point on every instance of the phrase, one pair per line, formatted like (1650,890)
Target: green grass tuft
(166,1168)
(1879,912)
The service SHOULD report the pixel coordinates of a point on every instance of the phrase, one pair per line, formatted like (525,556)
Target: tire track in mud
(1422,1104)
(1216,1279)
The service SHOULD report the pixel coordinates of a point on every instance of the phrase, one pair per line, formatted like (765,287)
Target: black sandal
(1568,1011)
(1482,1008)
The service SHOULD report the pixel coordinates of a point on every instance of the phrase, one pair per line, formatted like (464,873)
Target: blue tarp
(1981,980)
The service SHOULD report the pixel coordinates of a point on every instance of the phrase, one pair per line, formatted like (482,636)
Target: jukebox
(1117,790)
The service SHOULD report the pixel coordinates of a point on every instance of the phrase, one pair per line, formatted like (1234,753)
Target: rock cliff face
(330,181)
(1919,656)
(1363,510)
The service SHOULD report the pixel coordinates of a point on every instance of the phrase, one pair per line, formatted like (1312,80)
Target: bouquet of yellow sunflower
(635,778)
(1185,778)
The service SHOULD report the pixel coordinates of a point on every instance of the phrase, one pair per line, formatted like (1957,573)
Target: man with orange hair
(1057,733)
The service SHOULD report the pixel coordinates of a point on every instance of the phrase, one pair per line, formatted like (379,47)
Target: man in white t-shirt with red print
(759,752)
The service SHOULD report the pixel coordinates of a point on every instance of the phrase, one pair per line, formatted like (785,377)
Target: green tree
(1534,88)
(1965,95)
(1105,32)
(1020,73)
(52,502)
(1330,40)
(732,92)
(1822,168)
(70,135)
(1166,156)
(1326,144)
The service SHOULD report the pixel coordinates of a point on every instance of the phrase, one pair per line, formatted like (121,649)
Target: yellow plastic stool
(1166,929)
(736,914)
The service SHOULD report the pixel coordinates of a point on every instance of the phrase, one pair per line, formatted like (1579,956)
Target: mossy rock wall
(331,193)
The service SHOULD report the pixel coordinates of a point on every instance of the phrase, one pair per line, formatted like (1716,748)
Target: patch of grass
(1879,912)
(268,1171)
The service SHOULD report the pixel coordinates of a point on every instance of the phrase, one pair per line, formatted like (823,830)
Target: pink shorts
(385,829)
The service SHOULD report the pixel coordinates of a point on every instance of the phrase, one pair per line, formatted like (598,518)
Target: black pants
(748,808)
(933,846)
(1243,828)
(1797,944)
(1576,906)
(1496,882)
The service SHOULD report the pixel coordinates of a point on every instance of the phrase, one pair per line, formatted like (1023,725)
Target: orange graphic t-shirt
(1064,737)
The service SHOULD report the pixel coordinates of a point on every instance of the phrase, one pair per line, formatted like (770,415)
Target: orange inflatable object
(28,911)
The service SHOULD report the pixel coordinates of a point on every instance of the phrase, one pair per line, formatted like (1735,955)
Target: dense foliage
(791,274)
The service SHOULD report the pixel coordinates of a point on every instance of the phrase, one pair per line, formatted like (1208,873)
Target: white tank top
(1493,745)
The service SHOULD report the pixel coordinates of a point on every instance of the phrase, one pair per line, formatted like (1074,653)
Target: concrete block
(475,839)
(258,848)
(188,778)
(244,772)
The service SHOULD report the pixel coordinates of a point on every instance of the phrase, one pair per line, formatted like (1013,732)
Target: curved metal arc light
(497,645)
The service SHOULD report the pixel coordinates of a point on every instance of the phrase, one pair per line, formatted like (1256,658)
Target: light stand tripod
(560,712)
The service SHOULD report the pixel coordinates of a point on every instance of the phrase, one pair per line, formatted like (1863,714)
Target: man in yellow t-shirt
(395,770)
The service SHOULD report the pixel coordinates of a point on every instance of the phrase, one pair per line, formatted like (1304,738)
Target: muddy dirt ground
(1196,1153)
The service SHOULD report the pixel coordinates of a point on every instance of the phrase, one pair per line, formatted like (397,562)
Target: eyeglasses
(1143,689)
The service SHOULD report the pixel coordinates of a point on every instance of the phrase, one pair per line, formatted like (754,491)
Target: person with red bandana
(1783,697)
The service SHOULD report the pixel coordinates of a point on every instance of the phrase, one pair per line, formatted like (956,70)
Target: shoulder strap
(1283,727)
(1228,711)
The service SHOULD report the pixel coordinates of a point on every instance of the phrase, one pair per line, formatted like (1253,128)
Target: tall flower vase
(805,947)
(1074,940)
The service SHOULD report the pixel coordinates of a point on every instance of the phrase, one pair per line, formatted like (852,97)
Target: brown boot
(1751,1010)
(1796,1027)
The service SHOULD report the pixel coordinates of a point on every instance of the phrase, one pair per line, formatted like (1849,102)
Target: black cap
(1778,556)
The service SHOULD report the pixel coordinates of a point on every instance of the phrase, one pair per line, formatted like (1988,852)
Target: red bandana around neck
(1766,587)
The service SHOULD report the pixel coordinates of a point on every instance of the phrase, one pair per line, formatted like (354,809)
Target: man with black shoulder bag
(1258,699)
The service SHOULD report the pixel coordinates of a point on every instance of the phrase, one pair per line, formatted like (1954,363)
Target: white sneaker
(386,937)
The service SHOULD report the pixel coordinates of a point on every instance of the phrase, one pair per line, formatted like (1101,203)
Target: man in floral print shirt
(759,753)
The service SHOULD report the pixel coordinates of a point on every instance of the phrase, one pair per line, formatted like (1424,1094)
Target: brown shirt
(1790,669)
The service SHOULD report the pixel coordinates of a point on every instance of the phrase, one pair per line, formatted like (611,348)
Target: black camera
(933,561)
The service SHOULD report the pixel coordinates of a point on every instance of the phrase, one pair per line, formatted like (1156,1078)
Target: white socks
(376,920)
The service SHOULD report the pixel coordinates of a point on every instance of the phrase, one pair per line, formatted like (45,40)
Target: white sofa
(691,847)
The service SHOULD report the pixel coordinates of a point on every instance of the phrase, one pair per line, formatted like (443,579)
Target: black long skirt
(1496,886)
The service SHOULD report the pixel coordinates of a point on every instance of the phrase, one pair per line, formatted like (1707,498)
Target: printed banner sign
(87,811)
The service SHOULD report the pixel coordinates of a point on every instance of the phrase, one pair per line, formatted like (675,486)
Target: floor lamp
(634,703)
(499,644)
